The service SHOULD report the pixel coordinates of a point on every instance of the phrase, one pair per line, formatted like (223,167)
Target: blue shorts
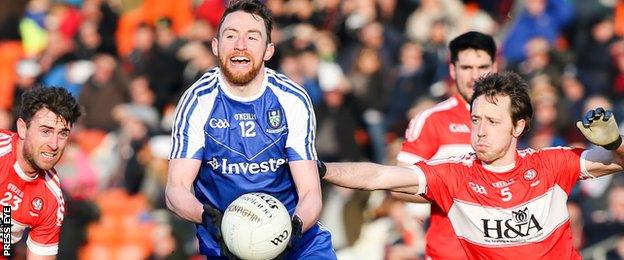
(314,244)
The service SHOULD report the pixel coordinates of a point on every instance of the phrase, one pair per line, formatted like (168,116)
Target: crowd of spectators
(368,65)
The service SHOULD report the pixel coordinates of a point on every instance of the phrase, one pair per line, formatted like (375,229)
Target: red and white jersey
(517,213)
(36,203)
(438,132)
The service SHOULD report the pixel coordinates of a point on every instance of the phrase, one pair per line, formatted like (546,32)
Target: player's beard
(30,155)
(239,78)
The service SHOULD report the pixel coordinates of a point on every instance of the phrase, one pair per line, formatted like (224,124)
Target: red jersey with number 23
(518,213)
(36,203)
(439,132)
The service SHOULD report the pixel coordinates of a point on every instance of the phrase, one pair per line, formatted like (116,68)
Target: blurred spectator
(28,72)
(71,76)
(609,221)
(541,61)
(88,41)
(336,124)
(6,119)
(594,63)
(367,78)
(159,63)
(373,36)
(421,20)
(576,224)
(537,18)
(545,128)
(199,59)
(103,91)
(410,80)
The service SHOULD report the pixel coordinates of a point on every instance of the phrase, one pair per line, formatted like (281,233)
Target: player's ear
(268,53)
(215,47)
(519,128)
(452,70)
(22,127)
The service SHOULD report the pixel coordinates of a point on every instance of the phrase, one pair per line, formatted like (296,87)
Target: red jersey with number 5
(36,203)
(515,213)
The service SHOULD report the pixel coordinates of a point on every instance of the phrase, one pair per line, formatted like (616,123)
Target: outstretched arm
(372,176)
(600,128)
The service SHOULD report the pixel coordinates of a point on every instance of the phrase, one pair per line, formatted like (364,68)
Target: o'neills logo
(522,224)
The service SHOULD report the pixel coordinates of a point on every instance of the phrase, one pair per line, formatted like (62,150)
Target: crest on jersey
(36,204)
(274,118)
(530,174)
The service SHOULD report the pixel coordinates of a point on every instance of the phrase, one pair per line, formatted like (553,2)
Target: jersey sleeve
(301,123)
(44,235)
(43,238)
(187,133)
(439,182)
(564,163)
(421,140)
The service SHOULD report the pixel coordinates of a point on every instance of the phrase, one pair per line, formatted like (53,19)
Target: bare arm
(179,199)
(372,176)
(308,185)
(599,162)
(405,196)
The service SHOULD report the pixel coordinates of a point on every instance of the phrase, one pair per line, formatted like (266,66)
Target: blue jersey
(244,144)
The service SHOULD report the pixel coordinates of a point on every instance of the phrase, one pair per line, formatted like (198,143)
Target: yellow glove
(600,128)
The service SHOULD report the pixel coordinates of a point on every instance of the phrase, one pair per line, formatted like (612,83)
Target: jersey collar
(22,174)
(461,101)
(222,86)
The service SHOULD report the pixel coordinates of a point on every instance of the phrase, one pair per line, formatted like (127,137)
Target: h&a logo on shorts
(218,123)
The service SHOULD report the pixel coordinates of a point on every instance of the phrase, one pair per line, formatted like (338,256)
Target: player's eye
(64,135)
(474,120)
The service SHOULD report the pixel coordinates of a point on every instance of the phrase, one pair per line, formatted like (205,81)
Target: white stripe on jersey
(5,144)
(295,112)
(408,158)
(184,115)
(449,150)
(549,211)
(242,154)
(311,135)
(417,122)
(41,249)
(53,184)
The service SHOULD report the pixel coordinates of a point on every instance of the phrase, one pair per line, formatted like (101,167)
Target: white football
(256,226)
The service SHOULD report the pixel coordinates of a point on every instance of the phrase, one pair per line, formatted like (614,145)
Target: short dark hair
(472,40)
(506,84)
(56,99)
(253,7)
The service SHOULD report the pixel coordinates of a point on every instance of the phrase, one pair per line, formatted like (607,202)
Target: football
(256,226)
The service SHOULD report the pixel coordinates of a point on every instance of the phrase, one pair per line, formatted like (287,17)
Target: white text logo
(218,123)
(268,166)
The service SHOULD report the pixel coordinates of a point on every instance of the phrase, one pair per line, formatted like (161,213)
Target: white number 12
(247,128)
